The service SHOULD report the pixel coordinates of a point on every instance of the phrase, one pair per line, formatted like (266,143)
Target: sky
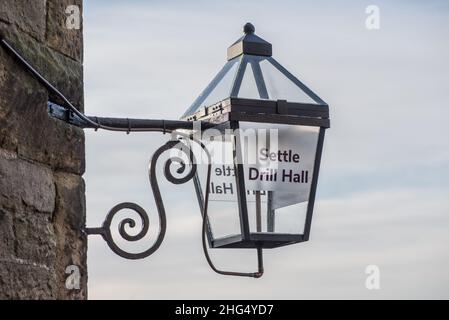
(382,192)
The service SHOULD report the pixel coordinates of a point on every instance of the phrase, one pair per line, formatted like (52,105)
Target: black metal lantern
(262,131)
(262,196)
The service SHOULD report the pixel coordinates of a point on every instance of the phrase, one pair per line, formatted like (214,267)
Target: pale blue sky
(382,194)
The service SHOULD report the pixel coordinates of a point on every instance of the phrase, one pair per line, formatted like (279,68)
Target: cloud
(403,231)
(382,196)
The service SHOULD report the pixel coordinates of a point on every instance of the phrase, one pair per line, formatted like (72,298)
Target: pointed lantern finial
(249,43)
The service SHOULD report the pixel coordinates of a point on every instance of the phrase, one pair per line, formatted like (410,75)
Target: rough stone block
(6,233)
(22,279)
(28,16)
(69,219)
(71,251)
(70,200)
(63,72)
(63,38)
(25,126)
(34,238)
(23,184)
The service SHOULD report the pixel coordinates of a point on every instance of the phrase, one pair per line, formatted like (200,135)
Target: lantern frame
(230,112)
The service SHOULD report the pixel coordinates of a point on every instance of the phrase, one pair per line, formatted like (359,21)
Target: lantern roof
(252,73)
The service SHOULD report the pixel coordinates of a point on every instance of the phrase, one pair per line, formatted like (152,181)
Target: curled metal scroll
(105,230)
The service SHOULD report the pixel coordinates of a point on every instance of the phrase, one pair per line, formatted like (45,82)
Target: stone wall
(42,204)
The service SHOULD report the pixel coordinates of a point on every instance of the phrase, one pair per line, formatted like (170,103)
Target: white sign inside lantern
(277,158)
(284,162)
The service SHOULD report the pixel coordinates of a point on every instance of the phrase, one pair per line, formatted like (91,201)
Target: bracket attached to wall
(70,114)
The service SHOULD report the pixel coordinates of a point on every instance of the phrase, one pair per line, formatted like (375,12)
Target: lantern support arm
(75,117)
(123,124)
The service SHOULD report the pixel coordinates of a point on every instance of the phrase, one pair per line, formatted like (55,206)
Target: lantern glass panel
(279,86)
(223,207)
(218,89)
(248,88)
(278,162)
(251,77)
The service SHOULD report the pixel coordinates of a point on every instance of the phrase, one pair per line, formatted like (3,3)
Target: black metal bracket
(105,230)
(121,124)
(70,114)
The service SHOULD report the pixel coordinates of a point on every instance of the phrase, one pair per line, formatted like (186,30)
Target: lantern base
(266,240)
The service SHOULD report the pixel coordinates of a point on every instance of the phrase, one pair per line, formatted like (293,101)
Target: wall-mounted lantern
(262,132)
(258,102)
